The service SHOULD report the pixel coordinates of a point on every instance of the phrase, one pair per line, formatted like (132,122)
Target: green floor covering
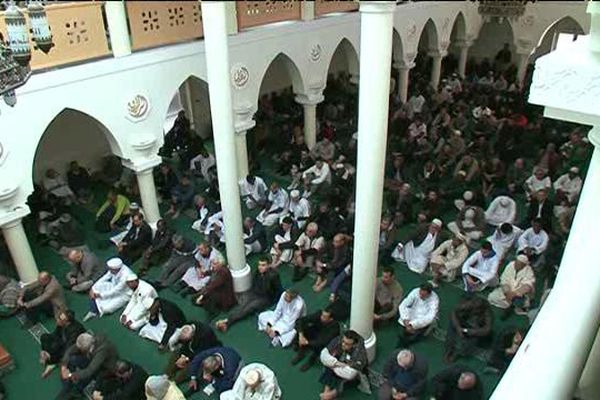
(24,382)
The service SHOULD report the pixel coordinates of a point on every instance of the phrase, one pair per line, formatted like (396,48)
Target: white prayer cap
(468,195)
(157,386)
(523,258)
(405,358)
(65,218)
(131,278)
(134,206)
(252,377)
(470,213)
(147,302)
(437,222)
(114,263)
(504,201)
(574,170)
(457,132)
(295,194)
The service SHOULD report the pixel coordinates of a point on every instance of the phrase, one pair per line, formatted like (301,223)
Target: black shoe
(299,357)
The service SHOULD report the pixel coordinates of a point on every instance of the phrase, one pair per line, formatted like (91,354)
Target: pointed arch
(289,66)
(565,24)
(191,95)
(429,36)
(397,46)
(459,28)
(346,50)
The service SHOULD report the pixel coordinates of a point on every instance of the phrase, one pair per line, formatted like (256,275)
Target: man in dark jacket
(315,331)
(136,241)
(56,343)
(265,290)
(218,294)
(172,316)
(159,248)
(128,382)
(182,256)
(540,207)
(406,373)
(457,383)
(255,237)
(218,366)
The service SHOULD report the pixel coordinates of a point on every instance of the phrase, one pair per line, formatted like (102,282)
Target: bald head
(467,380)
(75,256)
(44,278)
(405,358)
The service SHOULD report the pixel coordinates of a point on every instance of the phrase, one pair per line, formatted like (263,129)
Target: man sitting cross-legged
(136,241)
(110,292)
(165,317)
(56,343)
(315,331)
(128,381)
(388,295)
(85,270)
(417,312)
(406,374)
(279,324)
(217,367)
(447,259)
(417,251)
(137,311)
(517,285)
(481,269)
(266,286)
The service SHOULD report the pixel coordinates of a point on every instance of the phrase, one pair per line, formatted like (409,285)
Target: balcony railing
(254,13)
(78,34)
(323,7)
(157,23)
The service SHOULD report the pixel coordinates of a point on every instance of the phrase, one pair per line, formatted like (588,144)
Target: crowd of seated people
(479,193)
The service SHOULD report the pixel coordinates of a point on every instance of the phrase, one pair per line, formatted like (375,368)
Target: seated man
(315,331)
(159,387)
(457,382)
(540,207)
(255,238)
(218,293)
(417,251)
(9,294)
(159,248)
(324,149)
(504,349)
(66,235)
(299,209)
(203,213)
(447,259)
(110,292)
(307,247)
(265,289)
(165,317)
(91,357)
(276,206)
(316,178)
(55,184)
(204,166)
(113,213)
(283,241)
(56,343)
(137,240)
(46,297)
(165,179)
(127,382)
(536,182)
(137,311)
(568,186)
(333,260)
(388,295)
(502,209)
(217,367)
(185,343)
(481,269)
(182,256)
(417,312)
(198,274)
(85,270)
(181,196)
(517,285)
(470,326)
(255,381)
(279,324)
(344,359)
(406,375)
(253,191)
(387,237)
(533,243)
(134,209)
(79,181)
(470,223)
(504,239)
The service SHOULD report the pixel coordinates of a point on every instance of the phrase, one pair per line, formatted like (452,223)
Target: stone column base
(370,346)
(242,279)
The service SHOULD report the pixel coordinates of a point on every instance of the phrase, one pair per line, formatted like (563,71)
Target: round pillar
(436,68)
(462,58)
(116,18)
(241,151)
(18,246)
(217,65)
(309,104)
(522,63)
(145,180)
(376,29)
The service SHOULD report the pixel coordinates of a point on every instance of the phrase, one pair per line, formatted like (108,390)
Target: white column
(145,180)
(589,384)
(241,151)
(542,369)
(189,103)
(462,57)
(403,79)
(522,63)
(375,66)
(309,103)
(219,88)
(436,67)
(116,18)
(18,246)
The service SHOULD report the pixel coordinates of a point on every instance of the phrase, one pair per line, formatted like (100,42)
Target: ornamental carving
(315,53)
(239,76)
(412,31)
(138,107)
(446,24)
(527,21)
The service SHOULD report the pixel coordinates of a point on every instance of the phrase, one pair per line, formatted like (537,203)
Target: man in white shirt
(55,184)
(417,312)
(137,312)
(416,103)
(110,292)
(533,243)
(279,324)
(316,177)
(308,246)
(504,239)
(324,149)
(568,185)
(253,191)
(502,209)
(204,165)
(536,182)
(276,207)
(517,285)
(481,269)
(299,208)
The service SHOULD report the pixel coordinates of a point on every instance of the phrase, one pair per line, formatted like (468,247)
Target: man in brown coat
(45,297)
(218,294)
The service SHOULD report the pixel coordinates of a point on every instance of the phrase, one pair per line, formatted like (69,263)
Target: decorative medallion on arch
(240,76)
(412,31)
(315,53)
(527,21)
(138,108)
(446,25)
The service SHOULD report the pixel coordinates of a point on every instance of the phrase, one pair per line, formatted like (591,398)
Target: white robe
(197,280)
(267,390)
(497,214)
(135,311)
(513,281)
(278,200)
(283,319)
(420,313)
(484,269)
(154,332)
(57,186)
(502,243)
(113,290)
(417,258)
(300,209)
(286,254)
(571,187)
(537,241)
(250,193)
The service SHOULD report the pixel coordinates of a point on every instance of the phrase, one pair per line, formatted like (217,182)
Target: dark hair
(426,287)
(486,245)
(352,335)
(265,258)
(329,309)
(389,269)
(287,220)
(537,221)
(506,228)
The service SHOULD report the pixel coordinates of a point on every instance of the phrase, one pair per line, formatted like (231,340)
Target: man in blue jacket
(218,366)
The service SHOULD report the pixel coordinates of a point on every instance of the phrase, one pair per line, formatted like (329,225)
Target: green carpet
(25,383)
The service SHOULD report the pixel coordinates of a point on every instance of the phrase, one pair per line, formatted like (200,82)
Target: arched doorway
(547,42)
(428,41)
(457,35)
(493,36)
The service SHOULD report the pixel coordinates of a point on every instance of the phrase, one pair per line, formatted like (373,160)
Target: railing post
(232,25)
(116,18)
(308,10)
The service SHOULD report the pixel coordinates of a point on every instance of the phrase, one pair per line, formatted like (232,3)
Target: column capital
(243,118)
(377,7)
(14,217)
(311,99)
(404,64)
(463,43)
(437,53)
(594,136)
(142,165)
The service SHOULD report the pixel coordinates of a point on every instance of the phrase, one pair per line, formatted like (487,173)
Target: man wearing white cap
(417,256)
(447,259)
(568,185)
(502,209)
(137,312)
(299,208)
(255,382)
(110,292)
(470,222)
(517,285)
